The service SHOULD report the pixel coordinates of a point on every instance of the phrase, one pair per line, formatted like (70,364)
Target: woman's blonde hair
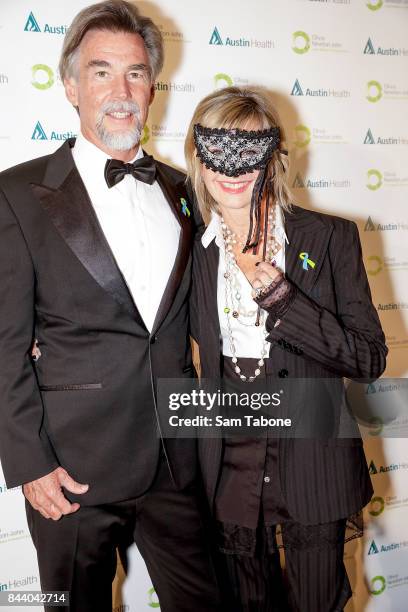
(236,107)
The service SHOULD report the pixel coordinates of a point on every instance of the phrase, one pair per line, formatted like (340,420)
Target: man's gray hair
(115,16)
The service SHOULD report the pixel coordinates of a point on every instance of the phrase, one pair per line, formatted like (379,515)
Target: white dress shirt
(141,230)
(248,340)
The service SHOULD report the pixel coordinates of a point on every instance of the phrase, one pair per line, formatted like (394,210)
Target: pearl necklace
(233,290)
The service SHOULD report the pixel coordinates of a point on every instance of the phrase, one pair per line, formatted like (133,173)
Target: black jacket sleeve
(351,342)
(26,452)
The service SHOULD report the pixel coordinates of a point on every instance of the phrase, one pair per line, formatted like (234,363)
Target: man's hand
(46,496)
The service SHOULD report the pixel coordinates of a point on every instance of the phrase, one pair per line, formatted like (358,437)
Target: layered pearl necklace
(233,293)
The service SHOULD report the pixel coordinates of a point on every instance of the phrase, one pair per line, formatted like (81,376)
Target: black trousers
(315,578)
(78,552)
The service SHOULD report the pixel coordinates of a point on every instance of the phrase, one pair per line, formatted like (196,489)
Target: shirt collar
(214,230)
(91,159)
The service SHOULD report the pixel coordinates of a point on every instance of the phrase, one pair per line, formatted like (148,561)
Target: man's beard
(119,140)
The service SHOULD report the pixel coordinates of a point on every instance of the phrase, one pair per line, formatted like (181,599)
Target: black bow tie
(143,169)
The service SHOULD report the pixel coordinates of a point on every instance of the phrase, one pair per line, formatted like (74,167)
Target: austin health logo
(216,38)
(381,140)
(372,468)
(370,227)
(297,89)
(369,139)
(373,550)
(39,133)
(32,24)
(369,48)
(298,182)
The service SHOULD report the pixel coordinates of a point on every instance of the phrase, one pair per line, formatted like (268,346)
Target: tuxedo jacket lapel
(64,197)
(177,198)
(308,238)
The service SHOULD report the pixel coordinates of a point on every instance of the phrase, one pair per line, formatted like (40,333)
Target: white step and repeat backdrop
(339,73)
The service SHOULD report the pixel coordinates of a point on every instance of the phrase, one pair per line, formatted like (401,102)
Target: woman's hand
(265,274)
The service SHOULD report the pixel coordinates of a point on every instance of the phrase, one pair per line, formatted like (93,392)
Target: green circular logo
(377,506)
(145,135)
(378,426)
(303,136)
(374,178)
(152,604)
(223,80)
(377,265)
(374,91)
(43,76)
(378,584)
(374,5)
(300,42)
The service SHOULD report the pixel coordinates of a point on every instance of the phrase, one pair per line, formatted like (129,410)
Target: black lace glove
(276,298)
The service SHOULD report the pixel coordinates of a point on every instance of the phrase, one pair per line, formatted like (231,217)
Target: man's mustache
(126,106)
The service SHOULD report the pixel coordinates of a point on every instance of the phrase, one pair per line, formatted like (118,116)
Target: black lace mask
(235,152)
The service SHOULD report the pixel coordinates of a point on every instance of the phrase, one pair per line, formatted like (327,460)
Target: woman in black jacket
(278,292)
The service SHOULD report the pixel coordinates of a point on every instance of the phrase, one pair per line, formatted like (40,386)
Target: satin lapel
(176,196)
(308,239)
(73,215)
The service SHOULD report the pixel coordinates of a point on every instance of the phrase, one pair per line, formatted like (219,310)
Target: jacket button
(283,373)
(153,339)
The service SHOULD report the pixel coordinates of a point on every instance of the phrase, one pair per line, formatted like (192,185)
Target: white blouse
(248,339)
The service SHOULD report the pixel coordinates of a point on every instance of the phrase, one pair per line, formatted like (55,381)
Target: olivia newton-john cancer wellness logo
(221,79)
(304,135)
(303,42)
(376,91)
(378,585)
(153,602)
(376,179)
(42,77)
(376,5)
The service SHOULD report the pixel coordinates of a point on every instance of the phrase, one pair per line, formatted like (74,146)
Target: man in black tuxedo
(95,269)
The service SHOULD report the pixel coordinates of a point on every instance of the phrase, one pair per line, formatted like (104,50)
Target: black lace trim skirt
(235,539)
